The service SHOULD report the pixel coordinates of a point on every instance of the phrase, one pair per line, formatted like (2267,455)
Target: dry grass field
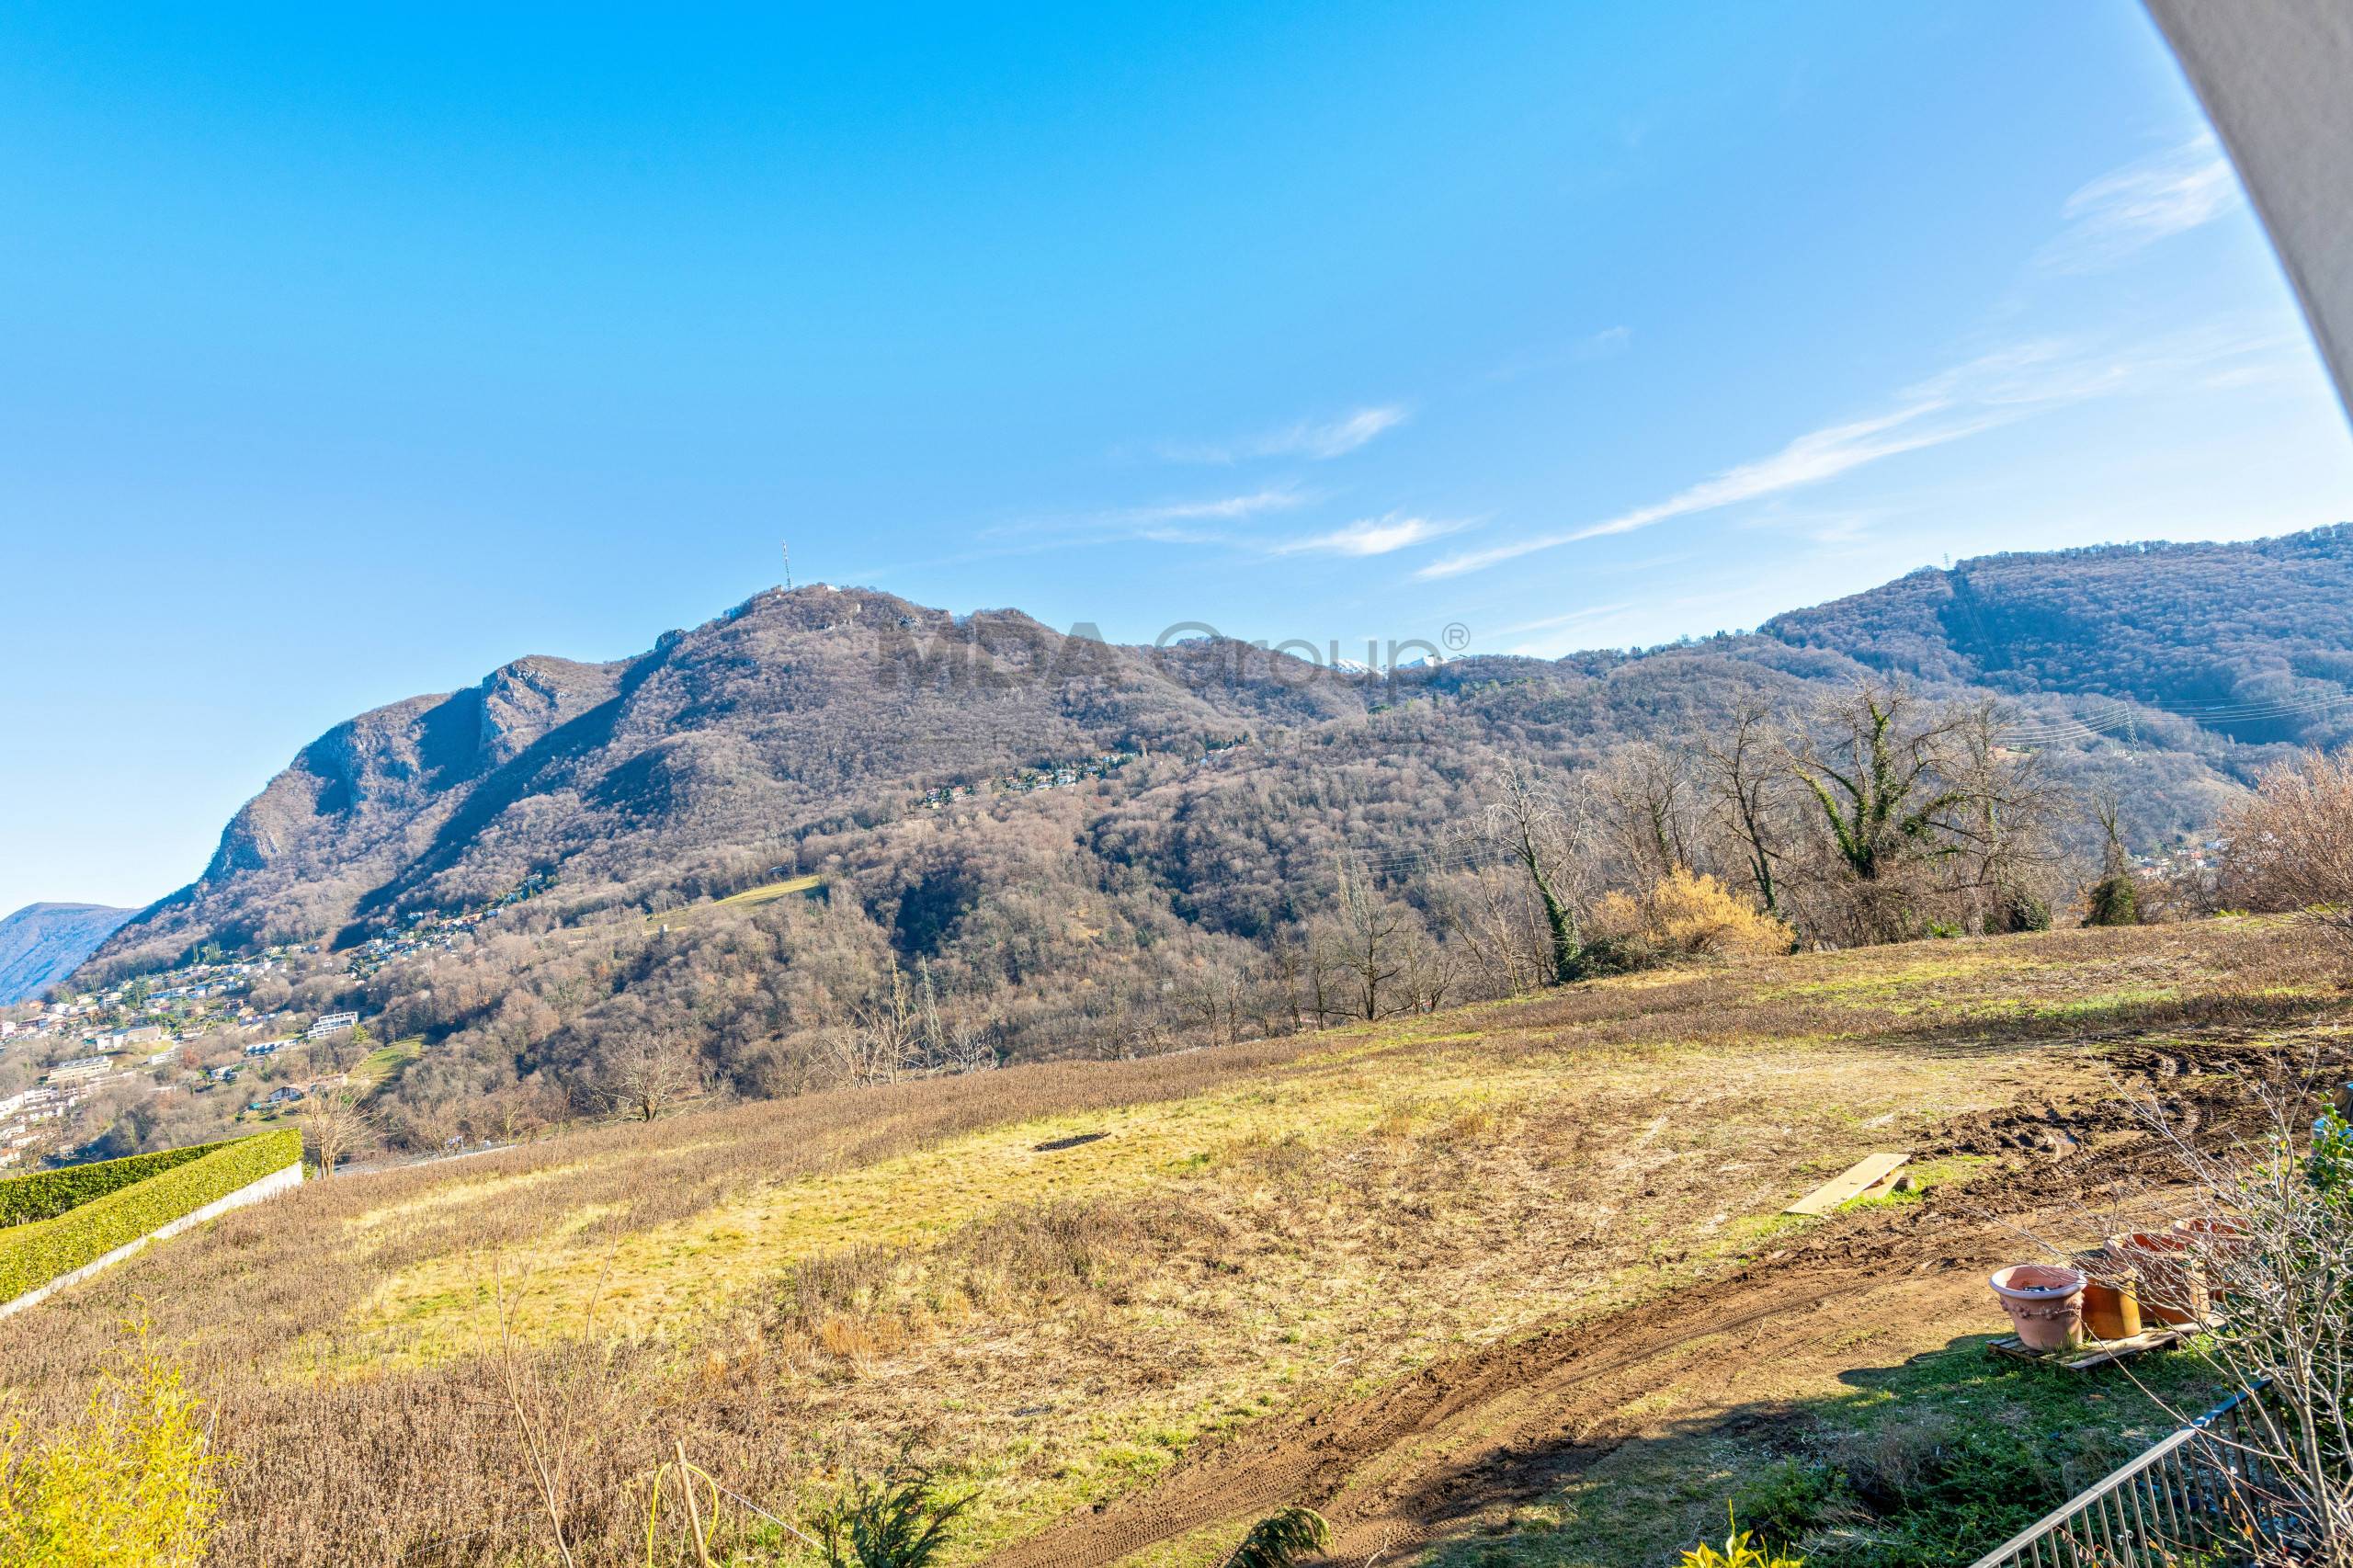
(1511,1274)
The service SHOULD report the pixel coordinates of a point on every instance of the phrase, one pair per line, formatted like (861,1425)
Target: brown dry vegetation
(1262,1233)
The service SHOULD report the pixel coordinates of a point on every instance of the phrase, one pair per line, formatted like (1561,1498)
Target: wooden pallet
(2092,1352)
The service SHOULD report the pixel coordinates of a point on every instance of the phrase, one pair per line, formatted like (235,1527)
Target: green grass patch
(1935,1461)
(384,1064)
(1948,1455)
(750,898)
(1955,1170)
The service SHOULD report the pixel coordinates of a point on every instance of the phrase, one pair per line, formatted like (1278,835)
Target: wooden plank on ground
(1850,1182)
(1882,1187)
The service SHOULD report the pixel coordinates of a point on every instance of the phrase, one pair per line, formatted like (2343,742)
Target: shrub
(1741,1550)
(129,1486)
(2292,846)
(44,1194)
(33,1254)
(1787,1500)
(1281,1538)
(2024,911)
(898,1521)
(1687,913)
(2113,901)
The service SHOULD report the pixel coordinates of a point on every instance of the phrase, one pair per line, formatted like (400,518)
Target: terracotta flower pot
(2045,1303)
(2111,1305)
(2171,1282)
(2222,1236)
(2218,1244)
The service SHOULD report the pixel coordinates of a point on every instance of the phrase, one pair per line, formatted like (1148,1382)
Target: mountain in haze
(820,714)
(42,943)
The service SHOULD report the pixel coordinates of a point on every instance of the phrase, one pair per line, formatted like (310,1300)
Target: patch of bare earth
(1460,1447)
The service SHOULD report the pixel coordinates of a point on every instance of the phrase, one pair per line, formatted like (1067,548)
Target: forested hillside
(2254,641)
(1023,844)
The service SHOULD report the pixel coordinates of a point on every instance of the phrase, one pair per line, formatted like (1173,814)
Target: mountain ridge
(804,711)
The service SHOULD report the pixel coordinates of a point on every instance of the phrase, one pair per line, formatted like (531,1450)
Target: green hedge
(44,1194)
(31,1255)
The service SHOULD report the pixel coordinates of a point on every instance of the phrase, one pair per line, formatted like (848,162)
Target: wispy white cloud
(1371,536)
(1646,623)
(1992,390)
(1607,344)
(2166,194)
(1604,342)
(1218,508)
(1575,618)
(1828,526)
(1317,440)
(1812,458)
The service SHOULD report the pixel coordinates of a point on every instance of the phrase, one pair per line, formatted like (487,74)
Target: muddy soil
(1468,1436)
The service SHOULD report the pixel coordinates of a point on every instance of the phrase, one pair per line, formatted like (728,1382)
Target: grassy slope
(741,903)
(802,1286)
(384,1064)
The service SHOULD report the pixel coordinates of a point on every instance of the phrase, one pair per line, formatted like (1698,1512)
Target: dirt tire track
(1548,1404)
(1568,1374)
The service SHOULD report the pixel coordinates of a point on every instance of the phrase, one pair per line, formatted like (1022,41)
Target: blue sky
(350,352)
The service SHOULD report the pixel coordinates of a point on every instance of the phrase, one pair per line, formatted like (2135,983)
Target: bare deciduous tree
(1742,770)
(1541,832)
(2291,848)
(970,1045)
(2005,826)
(1876,770)
(1647,797)
(1492,914)
(1883,771)
(883,1037)
(1373,942)
(335,1124)
(650,1076)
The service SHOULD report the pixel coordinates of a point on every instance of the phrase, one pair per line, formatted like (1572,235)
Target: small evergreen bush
(2114,901)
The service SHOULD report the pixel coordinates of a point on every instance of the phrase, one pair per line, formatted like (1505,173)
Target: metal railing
(2198,1497)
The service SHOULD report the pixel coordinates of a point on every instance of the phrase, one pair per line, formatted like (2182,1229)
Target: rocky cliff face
(792,709)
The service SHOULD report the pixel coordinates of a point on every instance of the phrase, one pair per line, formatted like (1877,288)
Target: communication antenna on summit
(786,547)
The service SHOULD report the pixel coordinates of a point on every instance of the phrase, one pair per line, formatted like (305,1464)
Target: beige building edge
(2277,79)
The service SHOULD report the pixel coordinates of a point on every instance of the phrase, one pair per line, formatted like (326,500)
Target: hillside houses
(83,1071)
(23,1119)
(1047,775)
(189,1030)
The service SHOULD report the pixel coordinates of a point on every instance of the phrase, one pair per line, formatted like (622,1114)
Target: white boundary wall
(276,1182)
